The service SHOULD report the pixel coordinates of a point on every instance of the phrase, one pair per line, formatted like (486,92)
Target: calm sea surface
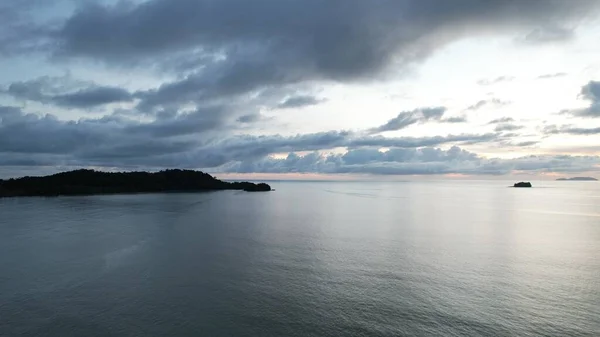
(311,259)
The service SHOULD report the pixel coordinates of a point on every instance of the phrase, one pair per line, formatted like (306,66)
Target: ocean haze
(444,258)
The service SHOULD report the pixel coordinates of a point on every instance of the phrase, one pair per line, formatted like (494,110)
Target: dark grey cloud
(553,75)
(493,103)
(236,46)
(91,97)
(327,28)
(492,81)
(9,112)
(507,127)
(182,124)
(188,22)
(23,133)
(407,118)
(591,93)
(20,30)
(299,102)
(67,93)
(224,80)
(250,118)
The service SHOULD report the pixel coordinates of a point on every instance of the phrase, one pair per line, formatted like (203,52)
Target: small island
(262,187)
(90,182)
(577,179)
(522,184)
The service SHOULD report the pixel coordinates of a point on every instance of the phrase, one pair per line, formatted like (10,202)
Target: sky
(302,88)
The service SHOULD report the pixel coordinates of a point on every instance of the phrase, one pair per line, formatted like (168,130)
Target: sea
(403,258)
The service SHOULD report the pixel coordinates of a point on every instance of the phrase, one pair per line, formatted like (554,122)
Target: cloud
(234,80)
(26,133)
(494,103)
(193,140)
(223,49)
(415,142)
(91,97)
(456,119)
(422,161)
(507,127)
(222,62)
(168,98)
(251,118)
(395,161)
(591,93)
(502,120)
(407,118)
(225,81)
(299,102)
(67,93)
(570,130)
(245,147)
(549,34)
(233,48)
(553,75)
(492,81)
(527,143)
(324,30)
(21,31)
(236,46)
(189,123)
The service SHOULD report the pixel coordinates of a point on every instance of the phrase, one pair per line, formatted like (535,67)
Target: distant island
(577,179)
(522,184)
(89,182)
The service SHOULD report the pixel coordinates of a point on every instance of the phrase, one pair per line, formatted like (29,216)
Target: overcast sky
(270,88)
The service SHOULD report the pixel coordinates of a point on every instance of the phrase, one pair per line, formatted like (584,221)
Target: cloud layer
(67,93)
(194,141)
(225,66)
(235,46)
(423,161)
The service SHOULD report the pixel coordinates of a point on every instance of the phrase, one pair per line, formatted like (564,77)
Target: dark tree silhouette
(85,182)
